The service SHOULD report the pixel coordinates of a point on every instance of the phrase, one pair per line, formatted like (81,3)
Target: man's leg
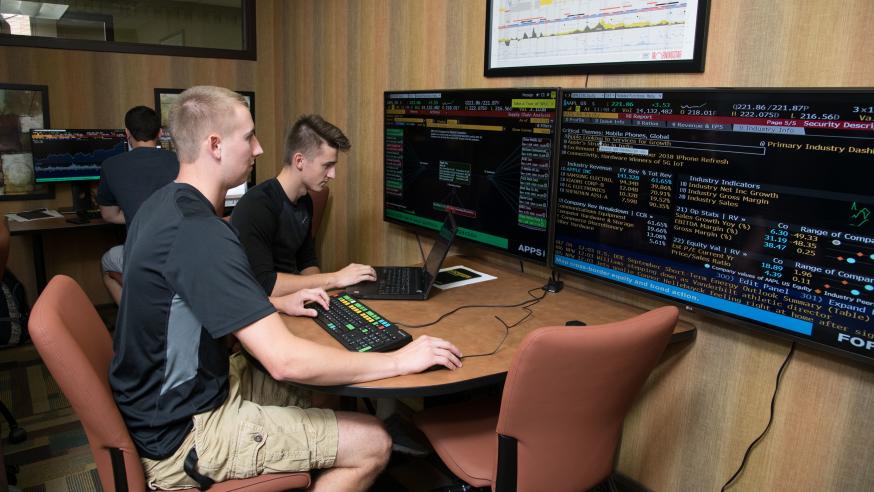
(362,445)
(113,286)
(111,263)
(362,453)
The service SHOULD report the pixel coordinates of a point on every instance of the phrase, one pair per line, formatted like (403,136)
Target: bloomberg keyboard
(357,327)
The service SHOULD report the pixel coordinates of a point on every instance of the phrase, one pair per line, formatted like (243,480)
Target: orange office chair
(558,423)
(77,349)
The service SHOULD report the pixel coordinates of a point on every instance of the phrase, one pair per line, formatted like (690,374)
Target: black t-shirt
(275,232)
(187,284)
(127,179)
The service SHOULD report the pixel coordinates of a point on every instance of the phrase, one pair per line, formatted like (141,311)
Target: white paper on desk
(465,276)
(46,214)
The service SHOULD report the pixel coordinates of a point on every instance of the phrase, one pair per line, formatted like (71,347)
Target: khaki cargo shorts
(263,427)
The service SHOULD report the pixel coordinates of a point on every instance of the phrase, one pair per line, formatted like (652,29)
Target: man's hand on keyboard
(292,304)
(427,351)
(352,274)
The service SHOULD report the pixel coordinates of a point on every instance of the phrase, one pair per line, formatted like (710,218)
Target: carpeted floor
(55,456)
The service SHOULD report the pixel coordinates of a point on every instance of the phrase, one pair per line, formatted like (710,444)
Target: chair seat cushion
(464,437)
(265,483)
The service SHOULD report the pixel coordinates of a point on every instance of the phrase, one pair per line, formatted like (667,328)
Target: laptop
(412,283)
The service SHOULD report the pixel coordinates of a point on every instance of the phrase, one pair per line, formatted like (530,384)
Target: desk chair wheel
(17,435)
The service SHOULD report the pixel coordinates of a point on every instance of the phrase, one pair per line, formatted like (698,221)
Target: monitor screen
(73,155)
(752,203)
(482,155)
(234,194)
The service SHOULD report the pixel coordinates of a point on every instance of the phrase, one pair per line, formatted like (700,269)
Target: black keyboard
(359,328)
(398,280)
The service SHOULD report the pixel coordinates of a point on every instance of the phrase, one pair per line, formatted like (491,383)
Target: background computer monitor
(73,155)
(483,155)
(755,204)
(234,194)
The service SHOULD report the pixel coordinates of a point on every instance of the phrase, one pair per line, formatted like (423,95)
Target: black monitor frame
(654,65)
(80,188)
(744,322)
(459,237)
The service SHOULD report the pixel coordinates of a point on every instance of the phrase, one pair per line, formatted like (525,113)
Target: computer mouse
(574,322)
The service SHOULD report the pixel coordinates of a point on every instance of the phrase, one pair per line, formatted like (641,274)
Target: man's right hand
(424,352)
(352,274)
(293,304)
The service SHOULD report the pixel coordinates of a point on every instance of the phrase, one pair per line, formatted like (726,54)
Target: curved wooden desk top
(475,330)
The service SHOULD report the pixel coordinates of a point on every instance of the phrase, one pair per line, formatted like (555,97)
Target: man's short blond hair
(196,113)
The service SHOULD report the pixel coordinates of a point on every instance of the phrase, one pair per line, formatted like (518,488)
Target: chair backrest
(77,349)
(320,201)
(567,393)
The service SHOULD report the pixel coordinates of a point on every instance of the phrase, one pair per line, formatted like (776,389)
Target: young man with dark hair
(194,414)
(274,217)
(127,179)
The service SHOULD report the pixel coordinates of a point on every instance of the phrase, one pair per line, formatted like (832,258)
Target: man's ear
(215,146)
(297,160)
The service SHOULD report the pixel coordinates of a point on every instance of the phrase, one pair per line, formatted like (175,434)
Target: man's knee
(113,259)
(363,439)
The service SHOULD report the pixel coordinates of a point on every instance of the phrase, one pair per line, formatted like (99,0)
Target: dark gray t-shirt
(187,284)
(128,179)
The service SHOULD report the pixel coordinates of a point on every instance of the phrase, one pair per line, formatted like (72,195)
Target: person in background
(127,179)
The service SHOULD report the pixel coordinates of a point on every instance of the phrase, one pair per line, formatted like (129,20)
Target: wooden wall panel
(94,90)
(708,400)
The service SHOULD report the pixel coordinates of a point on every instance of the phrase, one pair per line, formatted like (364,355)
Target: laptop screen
(441,247)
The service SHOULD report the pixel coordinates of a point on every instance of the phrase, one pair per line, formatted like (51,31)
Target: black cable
(507,328)
(493,352)
(521,266)
(534,300)
(749,450)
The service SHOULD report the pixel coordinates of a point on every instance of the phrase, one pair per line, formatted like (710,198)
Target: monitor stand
(82,201)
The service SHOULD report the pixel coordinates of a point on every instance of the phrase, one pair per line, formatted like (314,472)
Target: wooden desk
(36,228)
(475,330)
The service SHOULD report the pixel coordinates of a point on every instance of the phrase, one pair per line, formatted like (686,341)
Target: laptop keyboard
(357,327)
(398,280)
